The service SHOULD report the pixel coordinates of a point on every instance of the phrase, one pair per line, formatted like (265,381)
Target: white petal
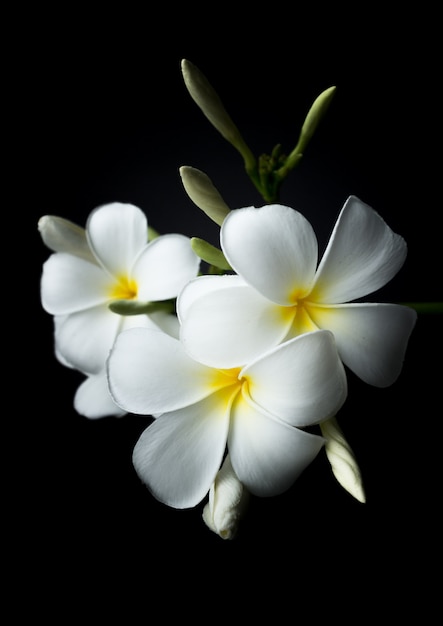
(154,321)
(93,400)
(179,454)
(362,255)
(371,338)
(232,326)
(167,322)
(203,285)
(149,373)
(267,455)
(84,339)
(273,248)
(58,321)
(116,233)
(70,284)
(164,267)
(301,381)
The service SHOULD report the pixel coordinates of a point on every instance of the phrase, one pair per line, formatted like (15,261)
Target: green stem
(425,307)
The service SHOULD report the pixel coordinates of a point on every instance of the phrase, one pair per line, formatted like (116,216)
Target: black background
(100,113)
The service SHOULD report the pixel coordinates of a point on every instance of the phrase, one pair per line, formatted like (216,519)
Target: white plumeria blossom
(253,411)
(110,260)
(278,291)
(227,503)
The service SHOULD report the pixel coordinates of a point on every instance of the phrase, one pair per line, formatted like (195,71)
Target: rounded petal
(268,455)
(203,285)
(93,400)
(302,381)
(58,321)
(167,322)
(84,339)
(116,233)
(232,326)
(156,320)
(274,248)
(149,373)
(371,338)
(362,255)
(179,454)
(69,284)
(164,267)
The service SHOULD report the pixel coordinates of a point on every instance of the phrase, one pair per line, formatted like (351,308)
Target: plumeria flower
(92,398)
(109,264)
(255,411)
(278,291)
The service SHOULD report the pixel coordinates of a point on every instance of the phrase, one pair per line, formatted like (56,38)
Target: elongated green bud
(202,192)
(62,235)
(312,120)
(342,459)
(205,96)
(314,116)
(209,253)
(134,307)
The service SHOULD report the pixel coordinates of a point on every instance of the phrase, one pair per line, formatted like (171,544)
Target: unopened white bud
(228,500)
(342,459)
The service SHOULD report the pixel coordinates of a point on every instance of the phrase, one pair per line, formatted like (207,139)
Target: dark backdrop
(103,115)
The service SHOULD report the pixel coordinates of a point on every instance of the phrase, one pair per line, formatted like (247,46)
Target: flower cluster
(239,353)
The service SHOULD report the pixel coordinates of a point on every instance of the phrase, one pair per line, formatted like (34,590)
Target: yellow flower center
(124,288)
(228,381)
(298,313)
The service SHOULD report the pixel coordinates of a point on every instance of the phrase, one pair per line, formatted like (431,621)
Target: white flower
(254,412)
(109,262)
(228,501)
(278,291)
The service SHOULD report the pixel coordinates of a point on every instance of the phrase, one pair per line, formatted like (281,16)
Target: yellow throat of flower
(124,288)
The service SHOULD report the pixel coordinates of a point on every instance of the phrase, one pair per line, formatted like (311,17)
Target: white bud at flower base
(228,500)
(61,235)
(342,459)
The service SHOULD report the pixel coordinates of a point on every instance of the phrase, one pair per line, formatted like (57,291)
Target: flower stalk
(268,171)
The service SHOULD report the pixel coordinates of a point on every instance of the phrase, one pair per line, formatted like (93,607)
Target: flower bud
(315,114)
(342,459)
(62,235)
(312,120)
(227,503)
(209,253)
(205,96)
(202,192)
